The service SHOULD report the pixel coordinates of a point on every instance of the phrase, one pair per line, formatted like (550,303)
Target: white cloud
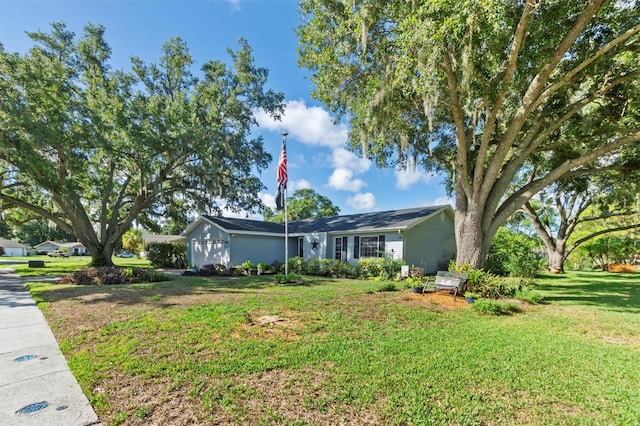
(235,4)
(444,200)
(407,177)
(298,184)
(343,179)
(366,201)
(269,200)
(311,125)
(349,160)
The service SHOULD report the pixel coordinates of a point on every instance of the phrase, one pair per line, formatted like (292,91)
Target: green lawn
(62,265)
(194,351)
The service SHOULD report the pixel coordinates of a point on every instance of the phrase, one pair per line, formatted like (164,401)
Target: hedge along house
(421,237)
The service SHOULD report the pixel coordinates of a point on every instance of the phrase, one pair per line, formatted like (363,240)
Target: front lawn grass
(244,351)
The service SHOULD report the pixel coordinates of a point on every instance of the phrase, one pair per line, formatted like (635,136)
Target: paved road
(36,386)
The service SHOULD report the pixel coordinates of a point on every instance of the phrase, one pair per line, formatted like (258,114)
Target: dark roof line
(355,222)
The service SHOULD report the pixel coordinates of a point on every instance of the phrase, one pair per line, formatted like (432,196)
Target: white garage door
(204,252)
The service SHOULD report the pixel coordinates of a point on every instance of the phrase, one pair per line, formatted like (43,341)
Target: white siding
(14,251)
(208,244)
(393,246)
(320,251)
(47,247)
(209,251)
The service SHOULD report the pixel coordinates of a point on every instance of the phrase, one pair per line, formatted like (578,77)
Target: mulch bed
(441,299)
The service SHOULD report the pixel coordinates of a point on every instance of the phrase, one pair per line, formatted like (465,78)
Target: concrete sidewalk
(36,385)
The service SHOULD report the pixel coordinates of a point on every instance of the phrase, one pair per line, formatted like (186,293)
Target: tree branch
(584,64)
(38,211)
(532,94)
(582,240)
(458,116)
(518,198)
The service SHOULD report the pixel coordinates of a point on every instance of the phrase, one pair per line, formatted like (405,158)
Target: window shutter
(356,247)
(381,246)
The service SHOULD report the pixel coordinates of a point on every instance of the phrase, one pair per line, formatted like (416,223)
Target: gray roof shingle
(354,222)
(363,221)
(248,225)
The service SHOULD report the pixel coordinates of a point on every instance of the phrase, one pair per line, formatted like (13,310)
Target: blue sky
(318,156)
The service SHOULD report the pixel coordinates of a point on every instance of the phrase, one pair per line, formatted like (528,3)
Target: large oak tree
(91,149)
(570,213)
(483,90)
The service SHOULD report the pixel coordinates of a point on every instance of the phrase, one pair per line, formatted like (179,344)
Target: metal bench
(445,280)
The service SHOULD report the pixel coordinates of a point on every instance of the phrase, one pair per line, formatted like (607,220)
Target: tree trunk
(472,242)
(556,260)
(100,255)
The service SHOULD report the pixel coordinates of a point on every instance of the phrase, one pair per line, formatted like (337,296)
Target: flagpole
(286,225)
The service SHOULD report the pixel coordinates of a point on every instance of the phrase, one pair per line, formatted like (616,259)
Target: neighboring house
(12,248)
(421,237)
(73,248)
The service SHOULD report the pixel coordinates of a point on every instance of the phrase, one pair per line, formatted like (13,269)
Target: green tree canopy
(573,211)
(483,90)
(132,240)
(91,148)
(304,204)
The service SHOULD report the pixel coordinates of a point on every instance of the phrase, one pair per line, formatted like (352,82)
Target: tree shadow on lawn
(614,292)
(154,293)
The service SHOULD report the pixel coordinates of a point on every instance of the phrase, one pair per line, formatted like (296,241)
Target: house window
(301,246)
(341,248)
(372,246)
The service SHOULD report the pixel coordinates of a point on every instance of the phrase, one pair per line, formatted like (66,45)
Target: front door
(341,248)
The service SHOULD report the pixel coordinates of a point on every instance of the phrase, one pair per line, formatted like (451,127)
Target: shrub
(312,267)
(414,282)
(487,307)
(297,264)
(288,278)
(209,270)
(529,296)
(388,287)
(488,285)
(382,267)
(493,307)
(108,275)
(515,255)
(167,255)
(277,266)
(472,295)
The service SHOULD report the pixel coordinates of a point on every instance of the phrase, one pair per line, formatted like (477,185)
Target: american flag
(282,166)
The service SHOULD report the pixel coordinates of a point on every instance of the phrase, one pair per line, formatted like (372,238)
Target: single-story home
(12,248)
(422,237)
(73,248)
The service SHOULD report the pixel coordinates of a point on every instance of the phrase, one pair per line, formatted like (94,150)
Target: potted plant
(262,267)
(416,284)
(471,296)
(247,266)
